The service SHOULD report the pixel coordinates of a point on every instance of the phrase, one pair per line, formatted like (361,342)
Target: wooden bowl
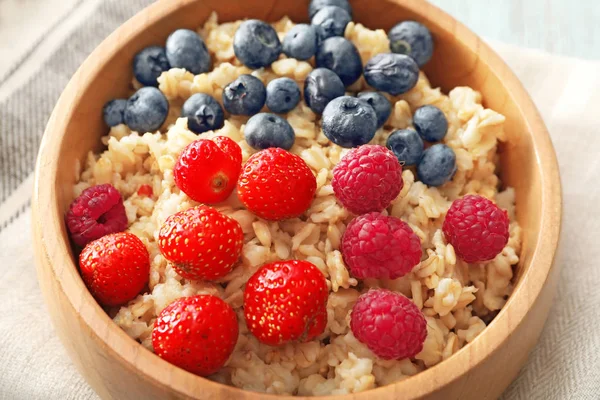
(117,367)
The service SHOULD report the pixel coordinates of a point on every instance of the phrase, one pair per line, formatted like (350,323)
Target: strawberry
(286,301)
(207,170)
(201,242)
(196,333)
(276,184)
(115,268)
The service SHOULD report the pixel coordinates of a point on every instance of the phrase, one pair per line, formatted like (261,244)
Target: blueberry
(349,122)
(341,56)
(244,96)
(332,20)
(113,112)
(320,87)
(283,94)
(203,112)
(256,44)
(413,39)
(392,73)
(301,42)
(146,110)
(186,49)
(431,123)
(437,165)
(266,130)
(316,5)
(381,105)
(149,63)
(407,145)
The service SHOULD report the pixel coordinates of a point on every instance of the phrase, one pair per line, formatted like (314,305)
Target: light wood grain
(117,367)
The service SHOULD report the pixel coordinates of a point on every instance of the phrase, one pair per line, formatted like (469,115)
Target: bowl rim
(106,333)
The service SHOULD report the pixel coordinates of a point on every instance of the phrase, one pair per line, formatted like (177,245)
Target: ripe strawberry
(196,333)
(286,301)
(201,242)
(207,170)
(276,184)
(115,268)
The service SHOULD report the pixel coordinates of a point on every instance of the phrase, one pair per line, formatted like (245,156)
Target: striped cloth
(564,365)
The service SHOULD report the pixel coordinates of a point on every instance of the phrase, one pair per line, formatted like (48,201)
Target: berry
(256,44)
(380,247)
(145,191)
(332,20)
(196,333)
(98,211)
(286,301)
(186,49)
(113,112)
(437,165)
(392,73)
(201,243)
(320,87)
(283,94)
(380,103)
(349,122)
(115,268)
(476,228)
(316,5)
(431,123)
(149,63)
(413,39)
(207,170)
(301,42)
(244,96)
(367,179)
(407,145)
(341,56)
(203,112)
(276,184)
(266,130)
(389,324)
(146,110)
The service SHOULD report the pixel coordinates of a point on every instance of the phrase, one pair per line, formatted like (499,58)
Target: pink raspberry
(367,179)
(98,211)
(376,246)
(389,324)
(477,228)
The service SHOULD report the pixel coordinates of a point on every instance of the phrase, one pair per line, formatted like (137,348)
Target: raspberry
(98,211)
(367,179)
(145,191)
(477,228)
(376,246)
(389,324)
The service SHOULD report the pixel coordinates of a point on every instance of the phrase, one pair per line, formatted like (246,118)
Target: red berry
(477,228)
(286,301)
(115,268)
(201,242)
(98,211)
(196,333)
(207,170)
(145,191)
(376,246)
(276,184)
(389,324)
(367,179)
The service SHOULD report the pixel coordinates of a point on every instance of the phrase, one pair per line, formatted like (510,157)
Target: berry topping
(301,42)
(201,243)
(392,73)
(367,179)
(316,5)
(413,39)
(149,63)
(98,211)
(389,324)
(476,228)
(186,49)
(332,20)
(146,110)
(256,44)
(283,94)
(266,130)
(381,105)
(349,122)
(437,165)
(196,333)
(207,170)
(203,112)
(286,301)
(145,191)
(115,268)
(431,123)
(380,247)
(341,56)
(320,87)
(407,145)
(244,96)
(113,112)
